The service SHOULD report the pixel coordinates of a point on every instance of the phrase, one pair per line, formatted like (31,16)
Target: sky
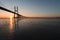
(32,8)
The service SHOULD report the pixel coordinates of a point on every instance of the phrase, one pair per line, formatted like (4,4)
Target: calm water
(29,29)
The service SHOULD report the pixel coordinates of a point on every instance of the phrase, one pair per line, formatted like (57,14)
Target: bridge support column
(16,11)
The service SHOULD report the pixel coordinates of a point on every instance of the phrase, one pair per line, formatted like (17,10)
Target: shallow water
(29,29)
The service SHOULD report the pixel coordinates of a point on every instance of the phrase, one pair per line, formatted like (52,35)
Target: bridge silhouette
(15,13)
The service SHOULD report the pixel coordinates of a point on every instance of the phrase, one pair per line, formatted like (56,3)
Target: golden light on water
(10,28)
(11,23)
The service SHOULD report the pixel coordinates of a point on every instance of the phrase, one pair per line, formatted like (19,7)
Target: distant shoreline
(40,17)
(43,17)
(37,18)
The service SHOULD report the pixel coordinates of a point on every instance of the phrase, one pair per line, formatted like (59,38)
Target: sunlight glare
(11,23)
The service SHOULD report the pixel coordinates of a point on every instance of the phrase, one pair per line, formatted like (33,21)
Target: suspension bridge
(15,12)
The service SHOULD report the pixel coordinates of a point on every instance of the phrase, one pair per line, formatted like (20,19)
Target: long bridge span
(18,15)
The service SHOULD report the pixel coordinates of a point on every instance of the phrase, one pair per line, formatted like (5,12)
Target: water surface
(29,29)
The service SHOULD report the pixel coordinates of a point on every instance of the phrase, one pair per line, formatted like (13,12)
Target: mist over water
(29,29)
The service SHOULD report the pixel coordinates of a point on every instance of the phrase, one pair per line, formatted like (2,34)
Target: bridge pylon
(16,11)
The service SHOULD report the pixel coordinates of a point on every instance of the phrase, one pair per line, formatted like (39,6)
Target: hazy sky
(39,8)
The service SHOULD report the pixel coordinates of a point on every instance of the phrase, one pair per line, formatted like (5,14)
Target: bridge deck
(2,8)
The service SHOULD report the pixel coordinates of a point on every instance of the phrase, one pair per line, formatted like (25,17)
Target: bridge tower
(16,11)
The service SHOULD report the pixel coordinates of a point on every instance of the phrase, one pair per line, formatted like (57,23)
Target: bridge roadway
(2,8)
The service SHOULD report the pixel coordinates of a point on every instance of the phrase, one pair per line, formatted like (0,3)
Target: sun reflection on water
(11,24)
(11,28)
